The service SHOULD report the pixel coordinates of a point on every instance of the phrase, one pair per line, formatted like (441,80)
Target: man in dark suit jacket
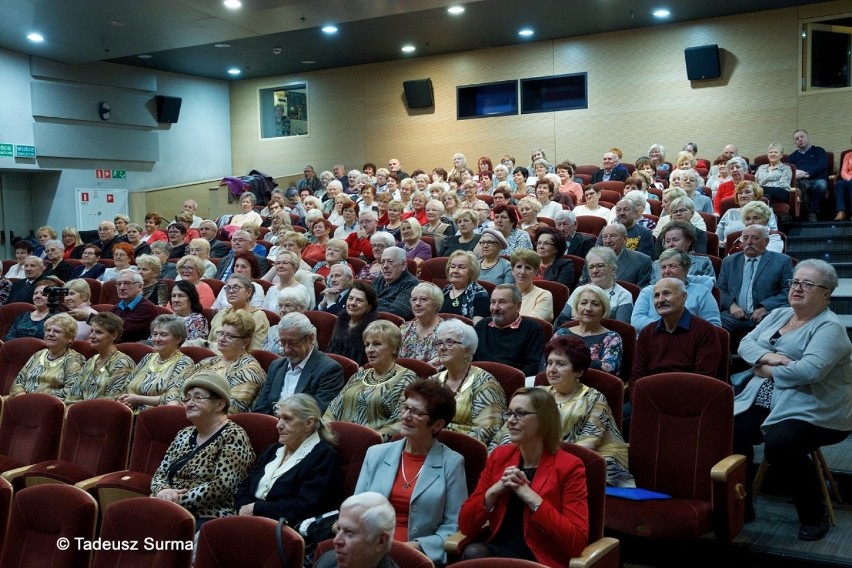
(609,172)
(241,241)
(22,290)
(576,243)
(108,238)
(634,267)
(744,306)
(340,279)
(208,230)
(303,369)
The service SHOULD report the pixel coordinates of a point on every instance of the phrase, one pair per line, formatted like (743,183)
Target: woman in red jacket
(532,493)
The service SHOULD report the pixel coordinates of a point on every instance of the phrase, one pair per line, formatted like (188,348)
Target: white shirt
(291,377)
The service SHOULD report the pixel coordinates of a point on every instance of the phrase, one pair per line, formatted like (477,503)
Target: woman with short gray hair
(418,335)
(737,169)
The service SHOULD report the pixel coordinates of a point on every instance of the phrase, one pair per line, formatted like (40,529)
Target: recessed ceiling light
(408,48)
(456,10)
(35,37)
(221,45)
(144,56)
(526,32)
(309,62)
(329,29)
(662,13)
(233,4)
(234,71)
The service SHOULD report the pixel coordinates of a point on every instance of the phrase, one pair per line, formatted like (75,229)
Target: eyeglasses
(413,411)
(805,285)
(448,343)
(293,342)
(230,337)
(195,399)
(284,263)
(519,415)
(233,288)
(545,243)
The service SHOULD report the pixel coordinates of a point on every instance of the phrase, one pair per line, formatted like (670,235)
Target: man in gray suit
(303,369)
(633,266)
(753,282)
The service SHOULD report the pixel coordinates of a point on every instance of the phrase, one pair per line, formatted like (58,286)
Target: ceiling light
(234,71)
(233,4)
(408,48)
(329,29)
(221,45)
(526,32)
(662,13)
(35,37)
(455,10)
(144,56)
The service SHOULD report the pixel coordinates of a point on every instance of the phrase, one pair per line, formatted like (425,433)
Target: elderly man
(609,171)
(396,168)
(576,243)
(191,207)
(394,286)
(811,171)
(208,230)
(108,238)
(310,181)
(753,282)
(675,263)
(136,311)
(506,337)
(639,238)
(634,267)
(365,534)
(483,213)
(303,369)
(359,241)
(241,241)
(679,340)
(22,290)
(340,280)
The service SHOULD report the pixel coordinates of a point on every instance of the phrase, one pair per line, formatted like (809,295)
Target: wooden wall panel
(95,142)
(80,102)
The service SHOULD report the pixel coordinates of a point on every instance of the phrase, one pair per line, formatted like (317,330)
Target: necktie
(745,297)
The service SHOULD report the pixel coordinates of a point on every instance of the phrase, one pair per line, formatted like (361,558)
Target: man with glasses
(208,230)
(108,238)
(302,369)
(484,214)
(506,337)
(241,241)
(576,243)
(639,238)
(136,311)
(395,284)
(359,241)
(753,282)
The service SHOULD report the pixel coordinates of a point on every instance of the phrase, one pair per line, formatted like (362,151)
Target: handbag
(315,530)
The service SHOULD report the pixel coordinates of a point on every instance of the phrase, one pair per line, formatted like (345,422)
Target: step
(833,257)
(844,269)
(823,229)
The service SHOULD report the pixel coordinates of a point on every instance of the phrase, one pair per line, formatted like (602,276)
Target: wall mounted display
(488,99)
(557,92)
(284,111)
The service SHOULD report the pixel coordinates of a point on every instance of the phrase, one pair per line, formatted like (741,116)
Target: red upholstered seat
(13,356)
(404,555)
(247,542)
(5,508)
(197,354)
(30,430)
(324,322)
(475,454)
(135,350)
(353,440)
(261,429)
(350,367)
(510,378)
(10,312)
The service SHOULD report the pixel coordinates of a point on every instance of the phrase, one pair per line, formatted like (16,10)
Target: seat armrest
(89,484)
(603,553)
(455,543)
(13,474)
(728,493)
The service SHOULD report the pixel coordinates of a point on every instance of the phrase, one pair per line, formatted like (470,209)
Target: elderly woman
(528,209)
(493,267)
(106,374)
(407,187)
(718,174)
(153,233)
(134,238)
(44,234)
(31,323)
(159,376)
(245,265)
(681,235)
(733,220)
(468,194)
(372,396)
(78,302)
(427,509)
(683,209)
(349,219)
(123,257)
(23,249)
(378,242)
(602,263)
(690,182)
(590,305)
(568,187)
(591,204)
(435,227)
(297,477)
(316,250)
(466,221)
(800,394)
(536,302)
(153,288)
(538,169)
(186,304)
(544,519)
(177,239)
(657,154)
(368,199)
(292,241)
(737,169)
(360,312)
(290,300)
(163,251)
(418,335)
(451,203)
(394,221)
(247,214)
(506,221)
(49,369)
(550,247)
(286,266)
(239,291)
(415,248)
(54,264)
(419,199)
(72,243)
(201,248)
(480,400)
(463,295)
(545,191)
(459,164)
(206,461)
(334,189)
(336,251)
(775,178)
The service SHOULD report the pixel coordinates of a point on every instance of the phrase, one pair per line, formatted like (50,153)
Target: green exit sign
(119,174)
(6,150)
(25,151)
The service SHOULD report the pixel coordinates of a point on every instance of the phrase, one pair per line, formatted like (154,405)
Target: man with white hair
(208,230)
(609,171)
(136,312)
(576,244)
(22,290)
(394,286)
(340,279)
(191,207)
(639,238)
(365,534)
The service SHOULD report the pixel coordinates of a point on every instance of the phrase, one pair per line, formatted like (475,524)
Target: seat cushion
(666,519)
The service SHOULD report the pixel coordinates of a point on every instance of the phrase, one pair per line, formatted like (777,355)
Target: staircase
(831,242)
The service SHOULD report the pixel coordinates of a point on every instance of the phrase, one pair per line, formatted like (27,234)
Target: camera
(55,295)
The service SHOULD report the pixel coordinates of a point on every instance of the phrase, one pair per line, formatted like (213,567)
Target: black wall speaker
(702,62)
(168,108)
(418,93)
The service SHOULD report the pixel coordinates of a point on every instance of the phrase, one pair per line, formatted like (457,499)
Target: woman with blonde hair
(191,269)
(418,335)
(72,242)
(464,295)
(466,221)
(78,302)
(535,301)
(153,288)
(49,369)
(239,290)
(201,248)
